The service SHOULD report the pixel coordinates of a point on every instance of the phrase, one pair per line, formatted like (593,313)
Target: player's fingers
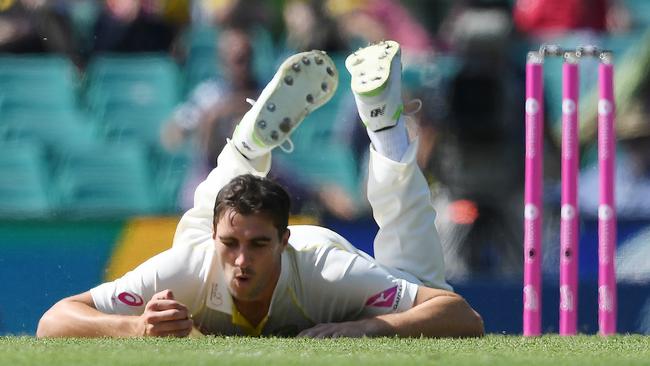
(318,331)
(165,315)
(174,328)
(164,295)
(307,333)
(159,305)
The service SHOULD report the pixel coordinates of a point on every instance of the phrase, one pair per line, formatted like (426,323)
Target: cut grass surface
(490,350)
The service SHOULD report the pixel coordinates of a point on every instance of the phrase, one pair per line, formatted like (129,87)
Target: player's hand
(352,329)
(163,316)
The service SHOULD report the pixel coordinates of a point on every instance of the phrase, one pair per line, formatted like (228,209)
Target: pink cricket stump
(569,211)
(532,295)
(607,303)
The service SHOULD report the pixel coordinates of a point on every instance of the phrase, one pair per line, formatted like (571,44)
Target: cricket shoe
(377,84)
(303,83)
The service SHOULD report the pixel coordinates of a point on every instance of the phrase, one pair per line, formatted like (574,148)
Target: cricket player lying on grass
(236,268)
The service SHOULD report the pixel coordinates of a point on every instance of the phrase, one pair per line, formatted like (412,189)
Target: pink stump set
(532,289)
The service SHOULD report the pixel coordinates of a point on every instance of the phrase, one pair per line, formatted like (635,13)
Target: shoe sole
(370,67)
(303,83)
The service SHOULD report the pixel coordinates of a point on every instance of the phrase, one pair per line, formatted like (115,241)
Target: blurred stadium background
(110,111)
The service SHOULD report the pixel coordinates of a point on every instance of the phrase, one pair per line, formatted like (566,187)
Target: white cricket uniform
(323,277)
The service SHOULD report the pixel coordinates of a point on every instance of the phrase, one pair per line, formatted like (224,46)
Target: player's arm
(435,313)
(76,316)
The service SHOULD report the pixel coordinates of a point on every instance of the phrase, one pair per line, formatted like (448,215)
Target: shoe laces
(418,106)
(409,116)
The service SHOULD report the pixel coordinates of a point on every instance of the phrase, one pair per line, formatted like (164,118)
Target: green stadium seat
(43,82)
(199,67)
(263,55)
(106,181)
(23,181)
(129,123)
(170,172)
(145,81)
(202,58)
(201,38)
(326,164)
(58,131)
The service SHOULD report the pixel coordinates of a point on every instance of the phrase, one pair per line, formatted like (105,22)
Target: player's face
(250,253)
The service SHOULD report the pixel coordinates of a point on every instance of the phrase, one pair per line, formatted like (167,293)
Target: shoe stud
(305,60)
(288,80)
(285,125)
(330,71)
(261,124)
(318,60)
(274,135)
(309,98)
(323,86)
(270,107)
(295,67)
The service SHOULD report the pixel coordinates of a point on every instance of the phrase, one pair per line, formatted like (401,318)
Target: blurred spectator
(478,161)
(309,27)
(211,114)
(230,13)
(214,108)
(139,25)
(36,26)
(555,17)
(370,21)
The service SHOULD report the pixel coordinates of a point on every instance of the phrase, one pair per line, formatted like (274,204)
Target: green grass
(491,350)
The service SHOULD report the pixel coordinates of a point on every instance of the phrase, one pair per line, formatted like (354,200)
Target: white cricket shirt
(323,279)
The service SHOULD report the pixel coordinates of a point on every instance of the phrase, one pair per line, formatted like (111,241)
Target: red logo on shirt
(383,299)
(130,299)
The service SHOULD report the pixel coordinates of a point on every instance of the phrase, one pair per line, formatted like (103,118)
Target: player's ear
(285,238)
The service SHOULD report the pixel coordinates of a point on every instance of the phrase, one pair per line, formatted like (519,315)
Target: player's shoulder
(319,254)
(311,238)
(190,260)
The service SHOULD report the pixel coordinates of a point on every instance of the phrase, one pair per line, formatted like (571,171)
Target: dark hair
(248,194)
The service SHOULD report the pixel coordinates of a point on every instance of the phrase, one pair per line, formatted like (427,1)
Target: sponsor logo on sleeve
(130,299)
(384,299)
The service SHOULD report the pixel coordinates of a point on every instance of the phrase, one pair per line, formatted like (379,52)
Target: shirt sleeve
(179,269)
(347,286)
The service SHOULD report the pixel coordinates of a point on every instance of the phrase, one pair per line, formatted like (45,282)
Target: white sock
(391,142)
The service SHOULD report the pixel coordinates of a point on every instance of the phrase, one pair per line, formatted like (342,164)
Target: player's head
(235,55)
(251,215)
(247,194)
